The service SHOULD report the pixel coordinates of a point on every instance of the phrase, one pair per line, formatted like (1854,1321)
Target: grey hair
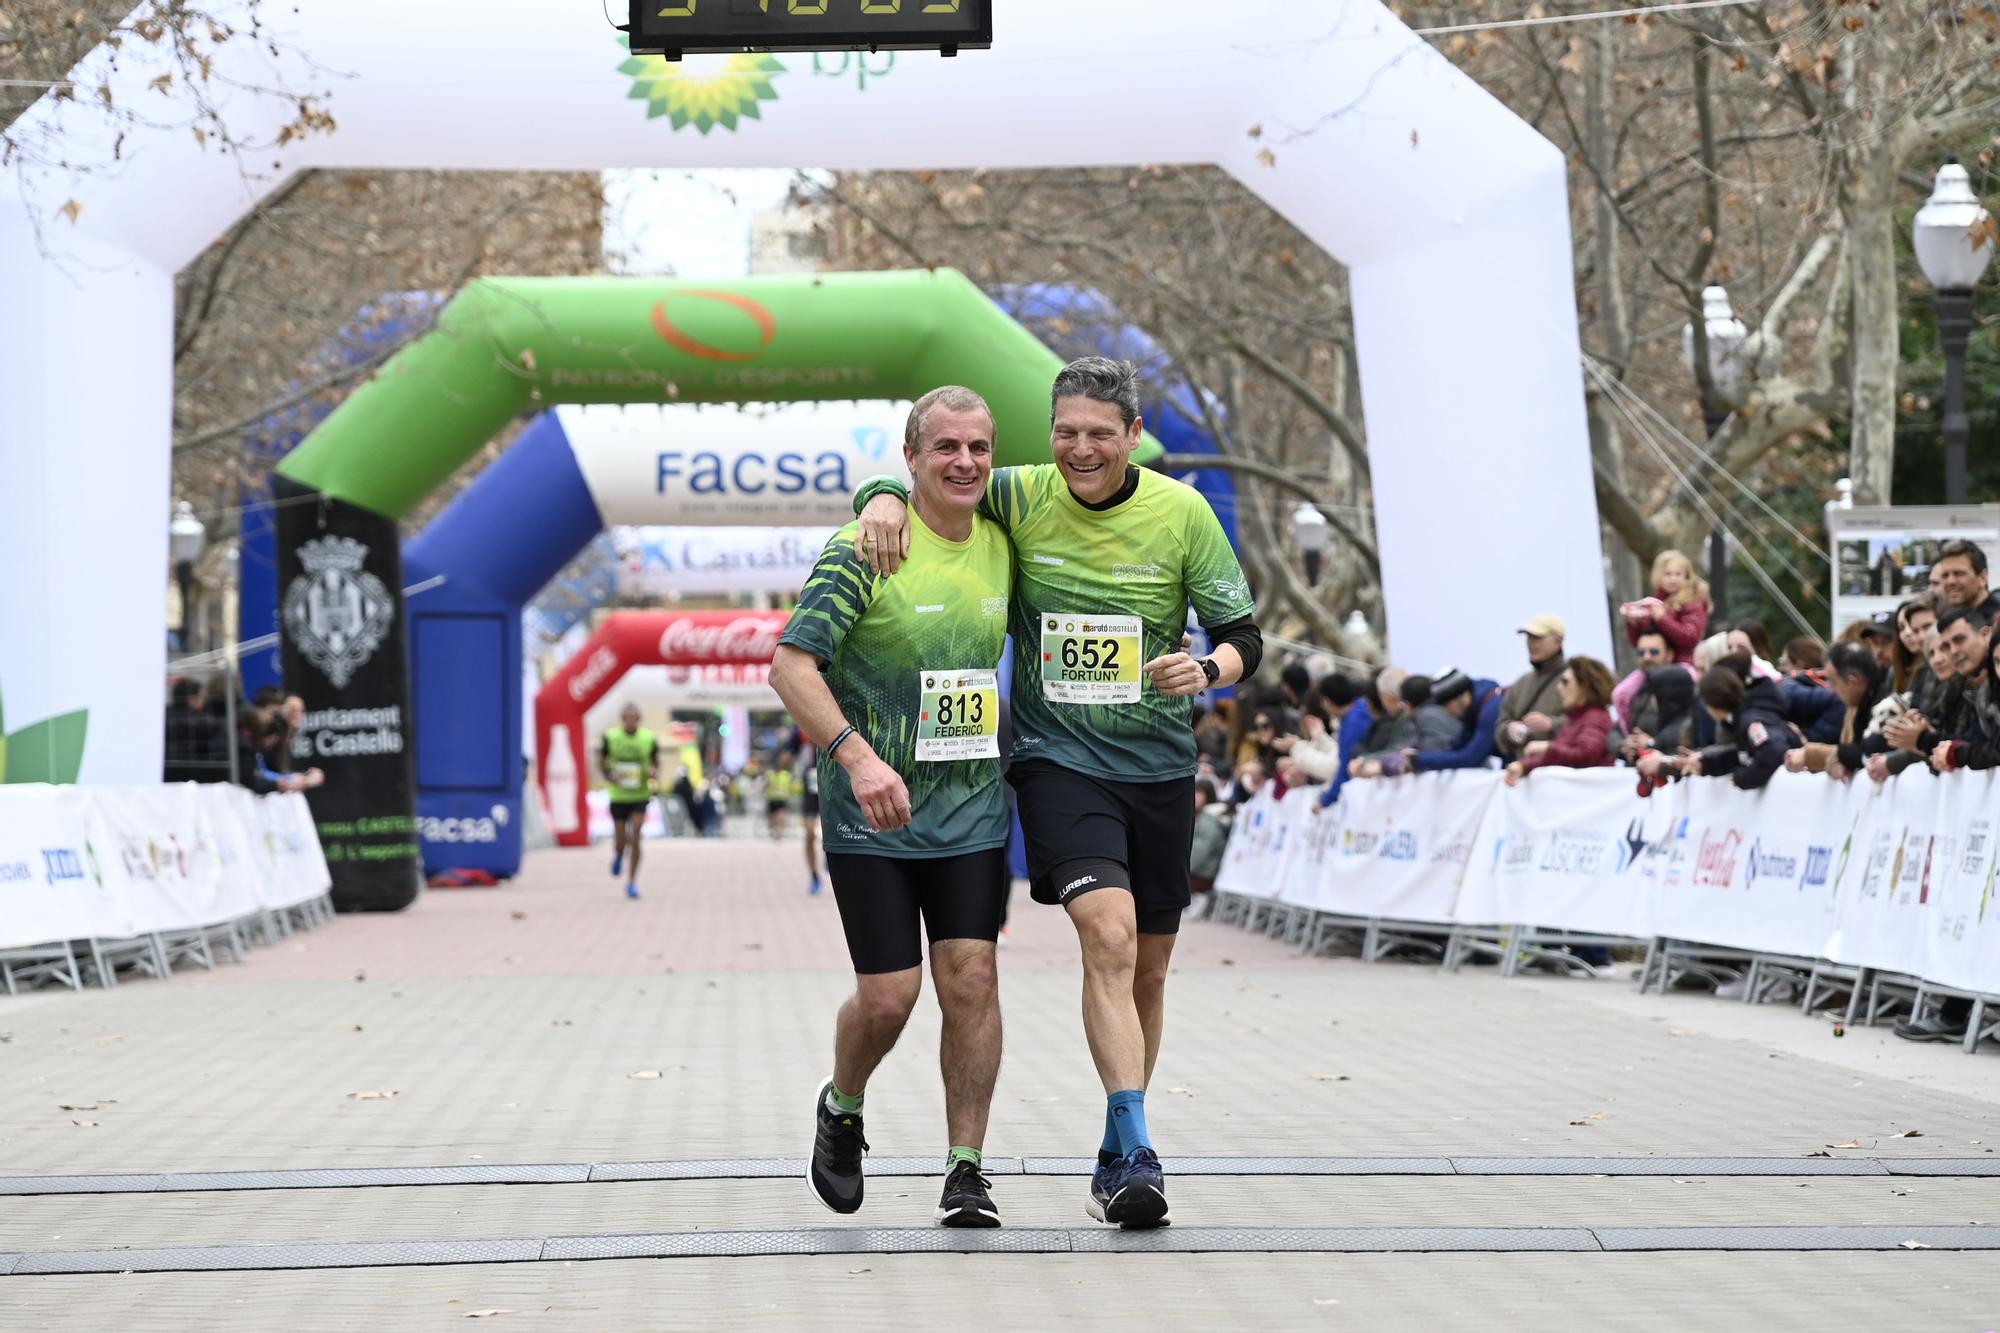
(950,397)
(1102,380)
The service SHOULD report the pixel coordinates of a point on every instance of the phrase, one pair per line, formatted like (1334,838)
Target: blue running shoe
(618,865)
(1131,1193)
(631,889)
(812,886)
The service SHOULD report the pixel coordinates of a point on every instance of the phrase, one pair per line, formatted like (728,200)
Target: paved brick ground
(510,1023)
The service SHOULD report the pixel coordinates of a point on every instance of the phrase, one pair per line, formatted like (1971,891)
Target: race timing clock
(675,28)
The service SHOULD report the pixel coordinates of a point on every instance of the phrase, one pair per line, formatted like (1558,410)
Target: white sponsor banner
(1254,859)
(113,862)
(1558,850)
(770,464)
(1886,909)
(1963,924)
(659,562)
(1749,869)
(1402,845)
(53,885)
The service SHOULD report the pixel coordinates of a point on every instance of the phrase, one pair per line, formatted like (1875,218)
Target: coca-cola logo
(594,673)
(746,639)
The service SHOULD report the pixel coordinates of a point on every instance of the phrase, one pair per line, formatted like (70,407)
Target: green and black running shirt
(944,610)
(1151,555)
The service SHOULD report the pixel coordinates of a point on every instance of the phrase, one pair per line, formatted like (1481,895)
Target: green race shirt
(1151,556)
(945,610)
(630,755)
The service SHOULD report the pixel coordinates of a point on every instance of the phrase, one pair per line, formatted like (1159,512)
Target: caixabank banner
(340,611)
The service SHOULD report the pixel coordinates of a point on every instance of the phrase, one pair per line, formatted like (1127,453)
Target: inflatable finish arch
(1451,214)
(627,639)
(573,472)
(504,346)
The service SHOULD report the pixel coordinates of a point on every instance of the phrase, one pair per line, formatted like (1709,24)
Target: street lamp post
(1729,376)
(1311,531)
(185,538)
(1953,249)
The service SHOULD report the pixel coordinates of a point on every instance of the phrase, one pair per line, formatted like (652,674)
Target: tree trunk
(1867,204)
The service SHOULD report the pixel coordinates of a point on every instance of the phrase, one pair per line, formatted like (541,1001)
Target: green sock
(957,1155)
(851,1105)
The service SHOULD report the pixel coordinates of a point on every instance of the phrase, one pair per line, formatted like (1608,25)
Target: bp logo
(703,91)
(337,612)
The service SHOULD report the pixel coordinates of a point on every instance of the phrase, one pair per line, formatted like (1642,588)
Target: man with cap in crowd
(1532,707)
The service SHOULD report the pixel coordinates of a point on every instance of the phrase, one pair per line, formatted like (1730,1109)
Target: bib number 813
(961,710)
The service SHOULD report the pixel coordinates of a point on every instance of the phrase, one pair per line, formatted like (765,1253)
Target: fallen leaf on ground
(357,1027)
(87,1124)
(1908,1134)
(1819,1154)
(1330,1300)
(1851,1143)
(373,1096)
(520,916)
(644,1073)
(1677,1032)
(1331,1078)
(1185,1092)
(852,1271)
(1915,1245)
(483,1314)
(67,1107)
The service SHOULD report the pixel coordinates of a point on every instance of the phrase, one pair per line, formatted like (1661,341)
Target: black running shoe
(1132,1193)
(966,1202)
(834,1172)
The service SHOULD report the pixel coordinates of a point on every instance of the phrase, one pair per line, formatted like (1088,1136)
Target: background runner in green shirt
(896,682)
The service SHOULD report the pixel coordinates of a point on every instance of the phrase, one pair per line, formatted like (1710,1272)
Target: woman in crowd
(1584,740)
(1752,707)
(1750,636)
(1915,619)
(1853,674)
(1678,608)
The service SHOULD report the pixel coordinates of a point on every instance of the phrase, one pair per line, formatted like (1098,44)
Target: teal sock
(1128,1115)
(842,1102)
(1110,1143)
(957,1155)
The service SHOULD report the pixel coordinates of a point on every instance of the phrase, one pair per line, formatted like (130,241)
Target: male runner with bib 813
(896,681)
(1108,559)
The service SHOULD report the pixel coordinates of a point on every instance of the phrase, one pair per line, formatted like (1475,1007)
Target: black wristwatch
(1209,669)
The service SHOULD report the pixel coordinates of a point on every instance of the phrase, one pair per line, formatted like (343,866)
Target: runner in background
(805,765)
(778,789)
(629,759)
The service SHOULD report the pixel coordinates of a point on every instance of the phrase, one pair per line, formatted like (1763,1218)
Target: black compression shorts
(624,810)
(882,899)
(1084,833)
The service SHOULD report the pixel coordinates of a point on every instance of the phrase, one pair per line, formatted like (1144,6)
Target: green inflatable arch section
(505,346)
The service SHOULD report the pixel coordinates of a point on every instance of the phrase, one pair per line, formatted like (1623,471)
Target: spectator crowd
(1917,687)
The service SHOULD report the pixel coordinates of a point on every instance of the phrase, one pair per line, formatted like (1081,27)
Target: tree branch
(1283,480)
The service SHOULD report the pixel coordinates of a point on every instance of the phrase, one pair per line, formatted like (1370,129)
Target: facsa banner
(1401,847)
(662,562)
(688,465)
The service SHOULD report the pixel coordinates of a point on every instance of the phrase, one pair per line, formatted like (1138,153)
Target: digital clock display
(676,27)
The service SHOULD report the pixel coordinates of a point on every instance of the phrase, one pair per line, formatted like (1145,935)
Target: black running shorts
(1086,833)
(624,810)
(882,899)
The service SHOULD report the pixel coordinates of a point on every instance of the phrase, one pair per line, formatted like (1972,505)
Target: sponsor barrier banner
(1558,851)
(1402,845)
(114,862)
(53,880)
(1902,877)
(1752,869)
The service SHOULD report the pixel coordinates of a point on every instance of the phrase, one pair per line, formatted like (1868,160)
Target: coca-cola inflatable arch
(625,640)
